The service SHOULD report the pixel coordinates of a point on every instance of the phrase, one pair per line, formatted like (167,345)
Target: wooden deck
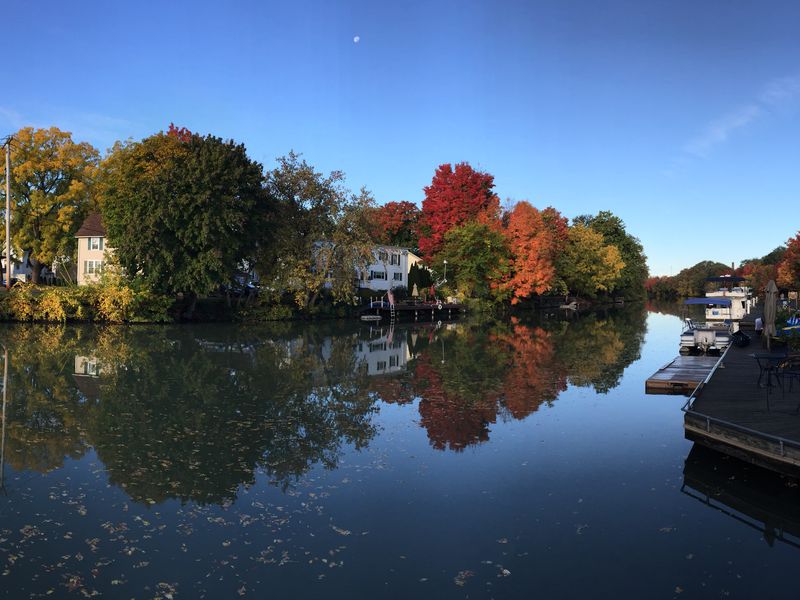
(734,413)
(681,376)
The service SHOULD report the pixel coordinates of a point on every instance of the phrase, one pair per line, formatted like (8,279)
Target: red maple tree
(454,197)
(396,223)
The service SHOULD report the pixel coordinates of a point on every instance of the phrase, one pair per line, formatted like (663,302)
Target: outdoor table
(767,363)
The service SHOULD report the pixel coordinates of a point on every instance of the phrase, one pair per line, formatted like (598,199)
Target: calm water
(504,459)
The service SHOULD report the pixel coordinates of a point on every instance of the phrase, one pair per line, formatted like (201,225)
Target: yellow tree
(588,265)
(51,177)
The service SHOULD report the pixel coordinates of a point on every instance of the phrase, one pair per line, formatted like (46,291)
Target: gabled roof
(92,227)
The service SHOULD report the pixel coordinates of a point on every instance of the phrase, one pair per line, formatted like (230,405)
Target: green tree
(183,213)
(478,260)
(324,237)
(588,265)
(634,274)
(51,178)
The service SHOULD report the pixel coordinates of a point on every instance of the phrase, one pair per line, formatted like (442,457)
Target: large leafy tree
(455,196)
(397,223)
(534,245)
(51,179)
(478,260)
(634,274)
(588,265)
(184,211)
(325,233)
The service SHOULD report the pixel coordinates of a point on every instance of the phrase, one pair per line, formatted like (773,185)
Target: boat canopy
(715,301)
(727,278)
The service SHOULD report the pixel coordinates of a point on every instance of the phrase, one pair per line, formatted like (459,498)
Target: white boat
(741,300)
(371,317)
(712,336)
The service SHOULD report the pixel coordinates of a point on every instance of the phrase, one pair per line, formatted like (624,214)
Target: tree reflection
(195,413)
(509,370)
(44,410)
(176,413)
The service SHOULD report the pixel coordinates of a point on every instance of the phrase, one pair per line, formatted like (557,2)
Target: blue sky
(681,117)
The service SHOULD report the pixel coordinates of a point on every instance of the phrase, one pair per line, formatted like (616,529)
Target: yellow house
(92,250)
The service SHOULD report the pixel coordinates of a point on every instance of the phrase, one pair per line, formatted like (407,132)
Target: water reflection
(197,413)
(752,496)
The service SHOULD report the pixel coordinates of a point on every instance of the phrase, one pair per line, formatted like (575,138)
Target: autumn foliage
(181,133)
(397,223)
(456,195)
(788,270)
(535,238)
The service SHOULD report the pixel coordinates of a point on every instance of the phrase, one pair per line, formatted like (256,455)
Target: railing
(688,408)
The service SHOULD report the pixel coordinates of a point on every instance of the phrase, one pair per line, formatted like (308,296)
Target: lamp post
(445,270)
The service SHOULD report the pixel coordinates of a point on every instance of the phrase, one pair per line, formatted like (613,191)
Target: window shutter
(102,239)
(88,243)
(85,266)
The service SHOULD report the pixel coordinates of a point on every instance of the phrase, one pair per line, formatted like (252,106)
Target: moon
(356,39)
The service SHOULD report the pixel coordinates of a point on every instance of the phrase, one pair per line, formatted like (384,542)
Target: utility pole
(8,213)
(3,440)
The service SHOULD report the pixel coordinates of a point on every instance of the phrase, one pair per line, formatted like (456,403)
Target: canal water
(476,459)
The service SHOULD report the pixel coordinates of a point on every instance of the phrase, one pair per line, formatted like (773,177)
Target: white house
(21,269)
(389,268)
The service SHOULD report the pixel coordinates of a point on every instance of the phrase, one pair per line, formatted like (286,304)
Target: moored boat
(711,336)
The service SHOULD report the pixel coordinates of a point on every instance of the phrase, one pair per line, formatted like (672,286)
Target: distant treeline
(781,265)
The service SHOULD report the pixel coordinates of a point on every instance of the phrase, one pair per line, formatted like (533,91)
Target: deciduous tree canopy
(454,197)
(325,233)
(634,274)
(184,212)
(534,245)
(588,265)
(789,266)
(51,179)
(397,223)
(478,260)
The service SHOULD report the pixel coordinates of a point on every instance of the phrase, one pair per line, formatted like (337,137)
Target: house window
(90,368)
(92,267)
(95,243)
(377,275)
(395,259)
(380,365)
(394,361)
(383,255)
(398,277)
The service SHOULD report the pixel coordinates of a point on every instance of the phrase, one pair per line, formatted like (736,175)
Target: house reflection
(383,351)
(87,374)
(760,499)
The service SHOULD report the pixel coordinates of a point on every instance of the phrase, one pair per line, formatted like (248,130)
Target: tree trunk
(192,304)
(36,270)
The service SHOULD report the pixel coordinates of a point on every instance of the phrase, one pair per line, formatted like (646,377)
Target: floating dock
(681,376)
(744,413)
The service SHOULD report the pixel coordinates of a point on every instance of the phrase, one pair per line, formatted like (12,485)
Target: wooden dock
(681,376)
(430,311)
(734,413)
